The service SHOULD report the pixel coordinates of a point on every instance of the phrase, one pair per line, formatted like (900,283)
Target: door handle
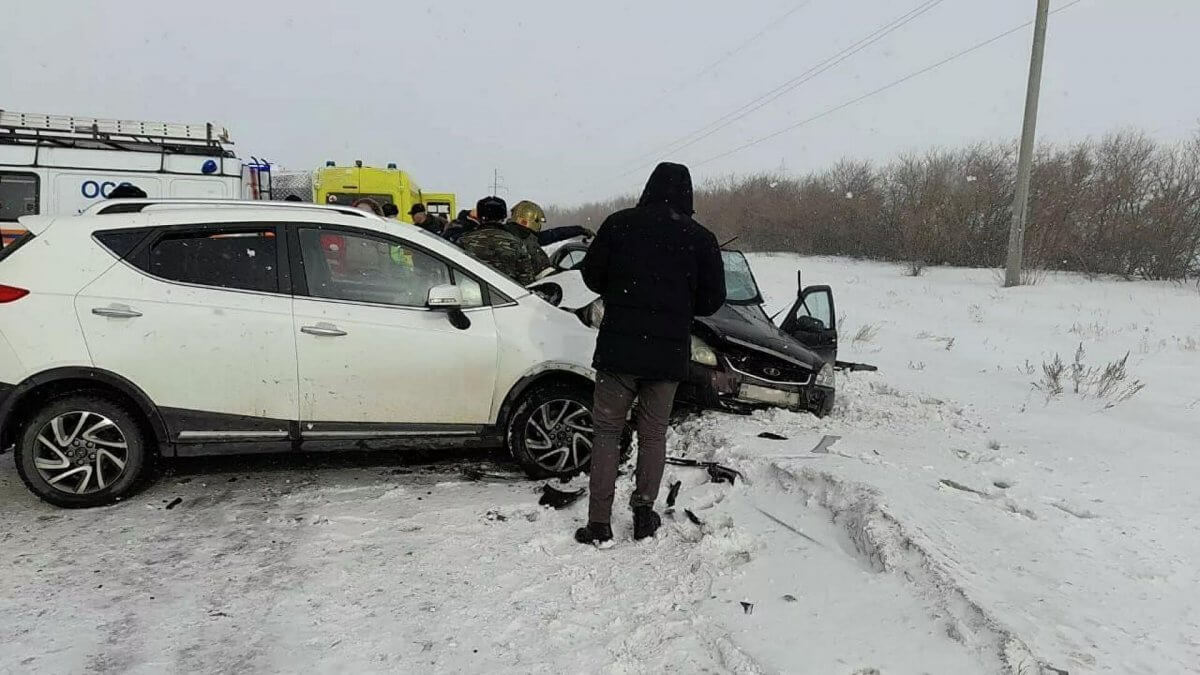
(324,330)
(116,312)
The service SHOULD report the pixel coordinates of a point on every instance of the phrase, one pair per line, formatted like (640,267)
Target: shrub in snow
(1109,383)
(865,334)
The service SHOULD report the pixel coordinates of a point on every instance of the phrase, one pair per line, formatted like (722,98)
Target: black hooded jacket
(460,226)
(657,269)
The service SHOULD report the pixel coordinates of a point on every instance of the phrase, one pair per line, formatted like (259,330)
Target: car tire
(550,434)
(82,451)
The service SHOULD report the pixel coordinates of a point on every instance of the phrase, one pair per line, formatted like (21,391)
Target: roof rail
(50,126)
(115,206)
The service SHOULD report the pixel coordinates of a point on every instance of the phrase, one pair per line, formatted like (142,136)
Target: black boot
(594,533)
(645,522)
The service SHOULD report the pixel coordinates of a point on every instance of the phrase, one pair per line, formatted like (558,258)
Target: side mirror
(549,291)
(447,296)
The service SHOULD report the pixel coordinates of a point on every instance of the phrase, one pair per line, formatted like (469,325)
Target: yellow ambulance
(346,185)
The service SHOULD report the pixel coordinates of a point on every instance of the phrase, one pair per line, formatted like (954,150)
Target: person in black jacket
(656,269)
(127,191)
(553,235)
(467,221)
(430,222)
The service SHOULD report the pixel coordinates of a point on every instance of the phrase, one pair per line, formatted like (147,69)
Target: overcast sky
(568,99)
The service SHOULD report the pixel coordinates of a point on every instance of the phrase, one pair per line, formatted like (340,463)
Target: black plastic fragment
(692,517)
(716,472)
(748,607)
(673,493)
(559,499)
(721,474)
(772,436)
(174,502)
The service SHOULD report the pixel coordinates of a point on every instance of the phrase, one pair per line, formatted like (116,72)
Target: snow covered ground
(961,524)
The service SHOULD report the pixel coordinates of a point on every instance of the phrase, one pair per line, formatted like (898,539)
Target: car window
(236,258)
(472,292)
(572,259)
(739,281)
(18,195)
(121,242)
(818,305)
(357,267)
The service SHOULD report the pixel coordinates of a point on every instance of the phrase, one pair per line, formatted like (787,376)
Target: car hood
(749,326)
(745,324)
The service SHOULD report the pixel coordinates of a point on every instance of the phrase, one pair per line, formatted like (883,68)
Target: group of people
(510,241)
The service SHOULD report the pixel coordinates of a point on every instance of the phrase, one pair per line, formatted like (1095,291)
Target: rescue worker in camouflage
(532,217)
(493,244)
(527,219)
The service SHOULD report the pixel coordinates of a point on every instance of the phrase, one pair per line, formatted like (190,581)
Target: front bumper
(730,391)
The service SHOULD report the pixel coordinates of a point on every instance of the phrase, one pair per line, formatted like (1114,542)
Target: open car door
(813,320)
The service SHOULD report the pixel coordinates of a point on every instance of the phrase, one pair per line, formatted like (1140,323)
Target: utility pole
(497,186)
(1016,233)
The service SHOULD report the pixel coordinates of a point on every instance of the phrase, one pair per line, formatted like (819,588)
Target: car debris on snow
(716,472)
(772,436)
(964,488)
(174,502)
(789,527)
(673,493)
(825,443)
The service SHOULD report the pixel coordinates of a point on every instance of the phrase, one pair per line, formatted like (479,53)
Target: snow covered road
(375,567)
(962,523)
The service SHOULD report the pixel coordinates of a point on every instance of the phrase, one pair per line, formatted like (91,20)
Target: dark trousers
(614,396)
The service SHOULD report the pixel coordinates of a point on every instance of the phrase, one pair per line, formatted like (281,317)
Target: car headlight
(825,376)
(703,354)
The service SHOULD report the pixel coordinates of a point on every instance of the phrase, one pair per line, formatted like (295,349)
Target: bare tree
(1122,205)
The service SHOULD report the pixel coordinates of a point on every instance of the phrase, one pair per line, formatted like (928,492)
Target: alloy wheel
(559,434)
(80,452)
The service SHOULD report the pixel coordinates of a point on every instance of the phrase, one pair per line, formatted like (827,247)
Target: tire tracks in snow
(887,546)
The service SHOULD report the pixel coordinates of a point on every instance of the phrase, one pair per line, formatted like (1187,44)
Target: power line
(774,23)
(750,40)
(788,86)
(880,90)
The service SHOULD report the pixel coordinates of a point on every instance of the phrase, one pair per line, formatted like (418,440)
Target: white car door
(373,359)
(197,318)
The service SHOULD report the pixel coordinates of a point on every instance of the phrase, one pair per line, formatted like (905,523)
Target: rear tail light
(11,293)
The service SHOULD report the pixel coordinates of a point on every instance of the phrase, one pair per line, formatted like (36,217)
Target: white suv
(147,328)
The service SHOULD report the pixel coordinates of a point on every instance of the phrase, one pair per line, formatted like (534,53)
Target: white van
(59,164)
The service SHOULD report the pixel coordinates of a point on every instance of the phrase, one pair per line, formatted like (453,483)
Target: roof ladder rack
(69,127)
